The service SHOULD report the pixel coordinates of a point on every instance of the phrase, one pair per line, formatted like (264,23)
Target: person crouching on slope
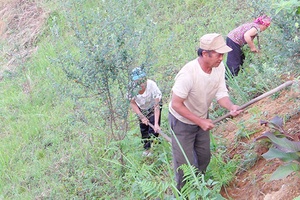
(147,105)
(238,37)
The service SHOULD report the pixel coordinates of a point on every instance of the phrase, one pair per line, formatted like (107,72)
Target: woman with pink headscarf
(240,36)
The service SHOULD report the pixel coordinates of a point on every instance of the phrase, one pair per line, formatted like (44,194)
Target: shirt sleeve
(183,84)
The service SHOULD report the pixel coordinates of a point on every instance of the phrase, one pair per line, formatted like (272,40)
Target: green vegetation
(66,128)
(284,147)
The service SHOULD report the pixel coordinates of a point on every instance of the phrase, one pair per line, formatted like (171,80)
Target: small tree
(108,47)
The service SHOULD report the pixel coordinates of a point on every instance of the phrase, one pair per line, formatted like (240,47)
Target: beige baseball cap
(214,42)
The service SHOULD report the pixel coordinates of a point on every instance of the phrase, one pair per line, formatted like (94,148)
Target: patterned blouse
(237,34)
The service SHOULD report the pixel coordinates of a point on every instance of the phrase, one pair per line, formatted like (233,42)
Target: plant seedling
(283,147)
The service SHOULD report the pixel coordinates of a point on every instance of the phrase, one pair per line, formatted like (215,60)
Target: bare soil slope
(21,21)
(253,183)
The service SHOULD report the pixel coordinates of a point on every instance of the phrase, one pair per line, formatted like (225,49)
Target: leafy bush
(197,187)
(222,168)
(106,51)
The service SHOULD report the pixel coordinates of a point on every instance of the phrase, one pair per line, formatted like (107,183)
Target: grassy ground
(56,141)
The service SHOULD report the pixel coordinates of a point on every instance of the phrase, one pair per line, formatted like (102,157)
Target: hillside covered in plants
(67,130)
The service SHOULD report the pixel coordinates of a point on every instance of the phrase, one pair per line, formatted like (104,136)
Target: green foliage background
(73,135)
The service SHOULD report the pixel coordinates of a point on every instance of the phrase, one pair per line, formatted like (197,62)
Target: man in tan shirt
(196,85)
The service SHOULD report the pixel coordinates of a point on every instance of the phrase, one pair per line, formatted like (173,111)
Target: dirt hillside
(253,182)
(21,21)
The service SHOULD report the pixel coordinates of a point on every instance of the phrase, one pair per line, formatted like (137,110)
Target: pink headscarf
(264,20)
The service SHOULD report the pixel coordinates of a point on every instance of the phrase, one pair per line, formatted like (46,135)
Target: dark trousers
(235,58)
(195,144)
(146,131)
